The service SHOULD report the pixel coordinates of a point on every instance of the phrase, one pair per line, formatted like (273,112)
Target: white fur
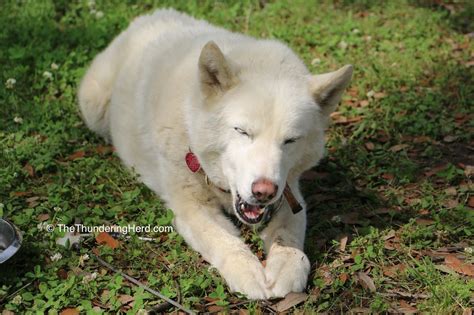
(147,94)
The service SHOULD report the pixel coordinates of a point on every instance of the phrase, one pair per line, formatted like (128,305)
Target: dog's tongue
(252,211)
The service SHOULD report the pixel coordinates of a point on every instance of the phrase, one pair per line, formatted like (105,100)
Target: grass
(396,183)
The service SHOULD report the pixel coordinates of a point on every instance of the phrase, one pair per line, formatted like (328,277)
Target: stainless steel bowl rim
(14,242)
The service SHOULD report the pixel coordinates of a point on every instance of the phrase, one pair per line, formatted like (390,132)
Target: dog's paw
(245,274)
(286,271)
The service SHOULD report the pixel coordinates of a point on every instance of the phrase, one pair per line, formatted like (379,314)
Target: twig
(15,293)
(146,288)
(178,289)
(406,295)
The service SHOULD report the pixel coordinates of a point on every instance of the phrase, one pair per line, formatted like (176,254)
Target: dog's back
(98,83)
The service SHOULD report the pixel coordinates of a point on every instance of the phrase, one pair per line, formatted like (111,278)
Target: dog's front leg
(287,266)
(209,232)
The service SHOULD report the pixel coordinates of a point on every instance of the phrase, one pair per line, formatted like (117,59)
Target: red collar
(194,166)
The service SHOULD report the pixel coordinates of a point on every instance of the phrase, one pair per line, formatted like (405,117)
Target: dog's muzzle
(255,214)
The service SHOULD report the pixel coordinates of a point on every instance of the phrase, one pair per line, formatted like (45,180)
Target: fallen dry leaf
(354,119)
(461,118)
(21,193)
(76,155)
(398,147)
(339,119)
(408,294)
(450,139)
(215,308)
(379,95)
(353,91)
(32,201)
(210,301)
(102,149)
(343,277)
(390,234)
(343,243)
(457,265)
(425,222)
(62,274)
(422,139)
(406,308)
(393,271)
(469,170)
(370,146)
(423,211)
(314,295)
(412,201)
(470,202)
(96,251)
(43,217)
(392,244)
(366,281)
(290,300)
(451,203)
(105,294)
(388,176)
(107,239)
(360,310)
(126,300)
(451,191)
(364,103)
(29,169)
(324,272)
(69,311)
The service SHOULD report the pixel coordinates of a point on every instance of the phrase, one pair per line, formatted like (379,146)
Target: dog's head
(258,123)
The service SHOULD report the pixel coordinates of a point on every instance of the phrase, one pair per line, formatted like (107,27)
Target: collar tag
(192,162)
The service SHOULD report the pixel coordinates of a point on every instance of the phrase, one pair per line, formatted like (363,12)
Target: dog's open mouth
(249,213)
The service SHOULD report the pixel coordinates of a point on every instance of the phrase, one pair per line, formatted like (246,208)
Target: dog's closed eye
(290,140)
(241,131)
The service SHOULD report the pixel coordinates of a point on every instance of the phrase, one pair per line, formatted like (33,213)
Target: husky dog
(218,124)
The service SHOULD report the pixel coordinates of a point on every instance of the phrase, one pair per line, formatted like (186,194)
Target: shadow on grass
(31,42)
(339,206)
(345,192)
(28,256)
(460,14)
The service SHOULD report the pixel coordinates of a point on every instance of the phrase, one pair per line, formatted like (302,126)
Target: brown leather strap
(294,204)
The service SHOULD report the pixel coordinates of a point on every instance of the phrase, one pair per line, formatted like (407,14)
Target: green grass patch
(397,180)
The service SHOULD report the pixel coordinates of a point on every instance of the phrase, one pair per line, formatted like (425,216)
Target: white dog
(217,124)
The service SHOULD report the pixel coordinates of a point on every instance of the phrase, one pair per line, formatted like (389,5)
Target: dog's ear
(327,88)
(215,73)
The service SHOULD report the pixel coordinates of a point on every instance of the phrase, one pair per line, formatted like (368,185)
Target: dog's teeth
(242,206)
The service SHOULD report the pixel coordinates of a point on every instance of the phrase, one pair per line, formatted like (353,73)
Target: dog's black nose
(264,189)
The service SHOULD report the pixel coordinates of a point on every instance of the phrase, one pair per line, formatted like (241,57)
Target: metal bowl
(10,240)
